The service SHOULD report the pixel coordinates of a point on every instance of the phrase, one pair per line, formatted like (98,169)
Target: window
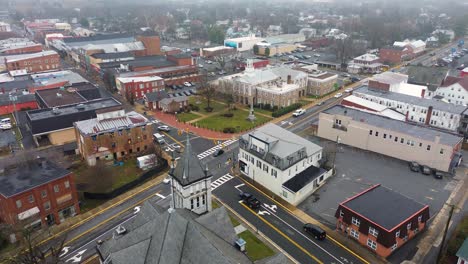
(370,132)
(420,144)
(396,139)
(198,201)
(203,199)
(19,204)
(420,218)
(397,234)
(47,205)
(67,184)
(402,140)
(259,164)
(384,135)
(376,133)
(274,173)
(191,203)
(394,246)
(355,221)
(372,244)
(354,233)
(43,193)
(31,198)
(441,151)
(56,188)
(341,213)
(373,231)
(428,147)
(408,226)
(285,193)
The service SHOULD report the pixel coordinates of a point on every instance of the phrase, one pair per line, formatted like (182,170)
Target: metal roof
(95,126)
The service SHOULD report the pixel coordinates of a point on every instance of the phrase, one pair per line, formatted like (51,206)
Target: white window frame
(395,246)
(373,231)
(408,226)
(355,221)
(353,233)
(397,234)
(420,218)
(372,244)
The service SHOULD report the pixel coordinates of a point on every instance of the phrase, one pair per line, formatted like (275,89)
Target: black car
(174,87)
(426,170)
(315,231)
(414,166)
(219,152)
(438,175)
(250,200)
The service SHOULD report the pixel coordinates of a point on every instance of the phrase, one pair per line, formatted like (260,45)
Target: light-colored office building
(398,139)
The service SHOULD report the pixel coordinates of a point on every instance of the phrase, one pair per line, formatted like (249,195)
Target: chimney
(423,92)
(289,79)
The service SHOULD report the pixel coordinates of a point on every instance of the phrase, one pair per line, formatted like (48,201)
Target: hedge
(285,110)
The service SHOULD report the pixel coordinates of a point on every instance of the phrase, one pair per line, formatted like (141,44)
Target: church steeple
(191,184)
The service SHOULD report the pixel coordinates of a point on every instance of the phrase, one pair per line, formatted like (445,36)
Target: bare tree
(208,91)
(33,252)
(221,60)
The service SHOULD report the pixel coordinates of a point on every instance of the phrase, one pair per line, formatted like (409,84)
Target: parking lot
(357,170)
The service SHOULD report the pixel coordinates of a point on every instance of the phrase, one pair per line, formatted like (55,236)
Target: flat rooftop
(26,56)
(413,100)
(303,178)
(383,206)
(23,177)
(58,97)
(58,76)
(93,105)
(414,130)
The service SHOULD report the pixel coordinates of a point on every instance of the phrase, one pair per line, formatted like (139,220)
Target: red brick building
(395,54)
(34,62)
(136,87)
(181,59)
(381,219)
(152,45)
(38,193)
(23,49)
(172,75)
(23,102)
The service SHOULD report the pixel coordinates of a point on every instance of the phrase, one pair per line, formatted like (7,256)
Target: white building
(367,63)
(5,27)
(419,110)
(417,46)
(191,183)
(284,163)
(454,90)
(244,43)
(361,104)
(276,86)
(397,83)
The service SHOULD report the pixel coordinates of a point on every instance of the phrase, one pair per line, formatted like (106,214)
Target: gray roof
(113,55)
(432,77)
(413,130)
(20,98)
(156,96)
(263,75)
(284,142)
(303,178)
(57,76)
(95,126)
(166,101)
(189,168)
(29,175)
(413,100)
(155,236)
(370,203)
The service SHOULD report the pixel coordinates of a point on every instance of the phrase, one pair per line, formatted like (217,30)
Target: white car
(5,126)
(209,62)
(200,65)
(299,112)
(317,55)
(338,95)
(187,84)
(348,90)
(164,128)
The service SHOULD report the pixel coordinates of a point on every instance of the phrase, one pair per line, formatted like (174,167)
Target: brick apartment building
(113,134)
(319,82)
(34,62)
(137,87)
(24,49)
(381,219)
(395,54)
(38,193)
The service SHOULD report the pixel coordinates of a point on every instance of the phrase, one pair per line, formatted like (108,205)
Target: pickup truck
(250,200)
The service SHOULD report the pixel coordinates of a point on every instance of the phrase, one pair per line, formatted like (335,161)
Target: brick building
(137,87)
(381,219)
(319,82)
(172,75)
(152,45)
(33,62)
(113,134)
(38,193)
(22,102)
(395,54)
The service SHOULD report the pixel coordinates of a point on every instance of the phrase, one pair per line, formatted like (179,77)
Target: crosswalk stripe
(220,181)
(215,148)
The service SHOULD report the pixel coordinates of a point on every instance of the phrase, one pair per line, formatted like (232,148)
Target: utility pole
(441,250)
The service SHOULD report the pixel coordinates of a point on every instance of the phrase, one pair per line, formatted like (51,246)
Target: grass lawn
(304,102)
(261,111)
(217,107)
(256,249)
(185,117)
(239,121)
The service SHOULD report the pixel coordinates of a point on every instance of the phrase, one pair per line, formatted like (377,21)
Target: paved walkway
(206,133)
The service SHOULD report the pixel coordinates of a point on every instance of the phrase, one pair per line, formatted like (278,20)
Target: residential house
(133,88)
(390,137)
(113,134)
(37,193)
(282,162)
(454,90)
(363,219)
(395,54)
(174,104)
(152,99)
(367,63)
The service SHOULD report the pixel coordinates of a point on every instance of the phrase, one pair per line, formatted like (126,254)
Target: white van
(159,138)
(5,121)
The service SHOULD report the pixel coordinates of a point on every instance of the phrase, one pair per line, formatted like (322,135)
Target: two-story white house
(454,90)
(430,112)
(284,163)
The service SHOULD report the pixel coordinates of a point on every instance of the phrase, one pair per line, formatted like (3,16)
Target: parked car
(167,180)
(174,87)
(355,79)
(221,72)
(345,75)
(164,128)
(348,90)
(426,170)
(180,86)
(192,91)
(438,175)
(5,126)
(317,55)
(187,84)
(338,95)
(209,62)
(250,200)
(187,93)
(299,112)
(307,56)
(315,231)
(200,65)
(219,152)
(321,103)
(414,166)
